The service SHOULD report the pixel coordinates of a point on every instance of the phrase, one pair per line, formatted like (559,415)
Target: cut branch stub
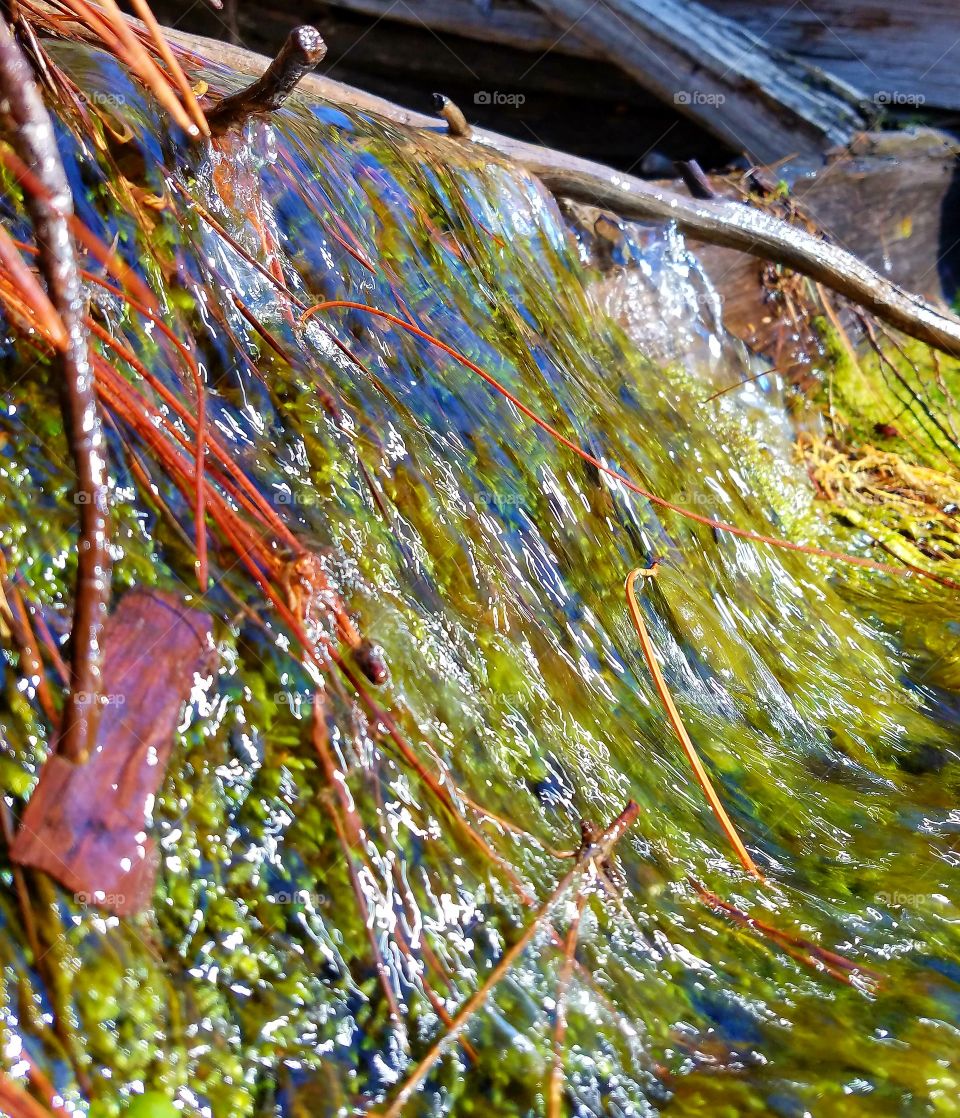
(695,180)
(303,50)
(452,114)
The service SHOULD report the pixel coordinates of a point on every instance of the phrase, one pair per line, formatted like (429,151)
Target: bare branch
(598,851)
(32,137)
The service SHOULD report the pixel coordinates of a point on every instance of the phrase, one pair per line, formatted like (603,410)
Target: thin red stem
(662,502)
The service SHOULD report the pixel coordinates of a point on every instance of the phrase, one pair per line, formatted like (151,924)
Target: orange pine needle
(106,256)
(805,951)
(15,1101)
(27,286)
(662,502)
(200,498)
(649,654)
(142,8)
(31,665)
(135,55)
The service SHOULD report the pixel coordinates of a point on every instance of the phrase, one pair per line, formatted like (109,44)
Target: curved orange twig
(649,654)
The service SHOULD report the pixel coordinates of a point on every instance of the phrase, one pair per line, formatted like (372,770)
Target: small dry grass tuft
(911,511)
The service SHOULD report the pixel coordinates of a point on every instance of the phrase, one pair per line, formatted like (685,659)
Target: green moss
(489,563)
(903,399)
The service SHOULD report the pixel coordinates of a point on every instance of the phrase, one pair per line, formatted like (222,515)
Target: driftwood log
(726,223)
(736,225)
(902,61)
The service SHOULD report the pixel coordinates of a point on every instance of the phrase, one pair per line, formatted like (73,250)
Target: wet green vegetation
(489,563)
(900,396)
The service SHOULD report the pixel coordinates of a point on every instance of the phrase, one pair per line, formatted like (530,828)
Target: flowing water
(489,563)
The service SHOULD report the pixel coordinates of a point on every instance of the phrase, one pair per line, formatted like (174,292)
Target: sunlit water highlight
(489,563)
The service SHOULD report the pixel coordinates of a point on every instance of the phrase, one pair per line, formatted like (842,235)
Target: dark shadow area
(580,105)
(948,259)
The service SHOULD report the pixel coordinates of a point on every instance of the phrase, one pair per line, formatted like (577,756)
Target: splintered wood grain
(883,47)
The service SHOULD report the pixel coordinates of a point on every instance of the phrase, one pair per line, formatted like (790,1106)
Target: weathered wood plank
(759,100)
(513,24)
(904,55)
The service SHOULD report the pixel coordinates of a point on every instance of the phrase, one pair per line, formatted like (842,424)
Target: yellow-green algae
(494,582)
(899,395)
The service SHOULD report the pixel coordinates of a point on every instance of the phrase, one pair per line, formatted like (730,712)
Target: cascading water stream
(489,563)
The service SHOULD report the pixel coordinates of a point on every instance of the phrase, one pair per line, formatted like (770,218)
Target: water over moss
(489,563)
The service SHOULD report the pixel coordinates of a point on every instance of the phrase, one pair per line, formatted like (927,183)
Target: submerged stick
(32,137)
(649,654)
(804,950)
(598,851)
(303,50)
